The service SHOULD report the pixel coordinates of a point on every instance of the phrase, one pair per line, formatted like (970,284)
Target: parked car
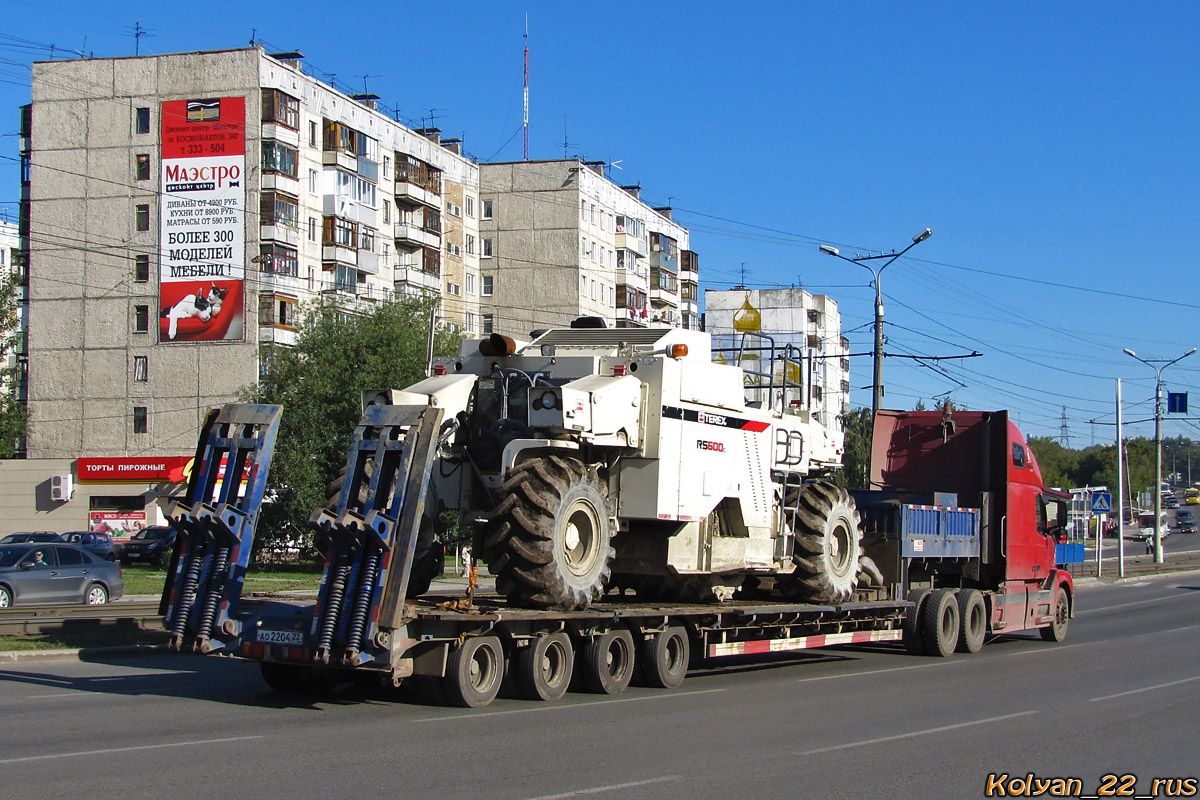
(100,544)
(35,574)
(150,544)
(25,537)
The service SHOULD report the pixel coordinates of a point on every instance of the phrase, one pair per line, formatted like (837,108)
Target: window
(454,289)
(470,244)
(485,209)
(453,209)
(142,216)
(276,310)
(143,166)
(140,421)
(277,208)
(366,238)
(141,368)
(469,283)
(312,181)
(453,249)
(312,229)
(387,212)
(141,269)
(387,166)
(345,278)
(470,319)
(486,285)
(280,108)
(278,259)
(312,133)
(340,232)
(469,202)
(143,120)
(487,323)
(582,286)
(312,278)
(486,250)
(583,210)
(280,158)
(141,319)
(1018,455)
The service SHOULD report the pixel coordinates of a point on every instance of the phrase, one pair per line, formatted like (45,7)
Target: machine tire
(1056,631)
(608,662)
(474,672)
(913,641)
(549,541)
(6,599)
(665,658)
(96,595)
(828,544)
(972,620)
(543,669)
(939,623)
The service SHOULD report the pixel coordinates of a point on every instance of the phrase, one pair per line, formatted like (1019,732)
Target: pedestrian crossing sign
(1102,502)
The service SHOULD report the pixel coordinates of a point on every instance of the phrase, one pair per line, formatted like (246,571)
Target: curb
(79,654)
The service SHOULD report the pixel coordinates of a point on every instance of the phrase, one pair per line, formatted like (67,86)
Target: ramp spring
(187,595)
(212,594)
(333,606)
(362,600)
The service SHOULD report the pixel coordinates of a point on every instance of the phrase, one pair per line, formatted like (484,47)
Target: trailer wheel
(543,669)
(607,662)
(474,671)
(1056,631)
(665,658)
(549,541)
(972,620)
(828,543)
(939,623)
(913,641)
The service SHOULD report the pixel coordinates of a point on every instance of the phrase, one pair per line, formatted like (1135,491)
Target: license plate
(280,637)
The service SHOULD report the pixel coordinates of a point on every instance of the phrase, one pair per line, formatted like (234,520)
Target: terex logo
(712,419)
(221,174)
(716,447)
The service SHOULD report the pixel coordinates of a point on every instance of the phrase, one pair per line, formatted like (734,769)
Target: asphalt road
(1119,697)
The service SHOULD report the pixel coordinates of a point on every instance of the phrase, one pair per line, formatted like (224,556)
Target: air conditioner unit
(61,488)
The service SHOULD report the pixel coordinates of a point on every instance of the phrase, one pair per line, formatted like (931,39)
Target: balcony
(626,241)
(336,254)
(632,318)
(282,133)
(280,233)
(368,262)
(417,194)
(416,235)
(340,158)
(277,335)
(408,277)
(662,259)
(278,282)
(282,182)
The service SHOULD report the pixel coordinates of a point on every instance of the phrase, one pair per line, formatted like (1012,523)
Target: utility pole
(877,381)
(1158,371)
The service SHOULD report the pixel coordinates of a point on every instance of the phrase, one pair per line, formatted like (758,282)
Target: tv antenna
(138,33)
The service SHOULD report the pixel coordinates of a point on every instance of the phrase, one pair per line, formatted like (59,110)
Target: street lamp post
(877,379)
(1158,371)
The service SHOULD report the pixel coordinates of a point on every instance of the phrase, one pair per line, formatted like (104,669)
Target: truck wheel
(1056,631)
(608,662)
(665,658)
(913,642)
(827,544)
(549,540)
(972,620)
(543,669)
(939,623)
(474,671)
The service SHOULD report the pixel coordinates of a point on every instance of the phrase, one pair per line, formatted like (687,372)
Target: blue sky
(1051,147)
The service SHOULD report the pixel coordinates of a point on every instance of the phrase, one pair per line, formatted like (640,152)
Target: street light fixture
(1158,371)
(877,380)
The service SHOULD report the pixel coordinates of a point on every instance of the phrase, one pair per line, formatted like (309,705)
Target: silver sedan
(35,574)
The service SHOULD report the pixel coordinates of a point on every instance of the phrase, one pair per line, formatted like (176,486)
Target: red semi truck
(958,527)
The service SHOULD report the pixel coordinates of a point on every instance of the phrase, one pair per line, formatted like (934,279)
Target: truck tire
(914,643)
(972,620)
(828,544)
(543,668)
(665,658)
(939,623)
(549,541)
(1056,631)
(474,672)
(608,661)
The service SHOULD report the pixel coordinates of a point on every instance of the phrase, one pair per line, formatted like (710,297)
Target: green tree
(1060,466)
(12,410)
(856,463)
(319,384)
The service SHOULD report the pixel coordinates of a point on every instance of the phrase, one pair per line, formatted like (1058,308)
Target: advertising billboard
(202,236)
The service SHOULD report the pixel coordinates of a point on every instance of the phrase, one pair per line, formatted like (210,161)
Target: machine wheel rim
(580,540)
(841,548)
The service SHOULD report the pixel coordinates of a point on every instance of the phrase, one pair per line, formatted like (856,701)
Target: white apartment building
(560,240)
(181,208)
(744,321)
(12,266)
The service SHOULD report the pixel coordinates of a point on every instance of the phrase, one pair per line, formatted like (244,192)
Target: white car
(1146,534)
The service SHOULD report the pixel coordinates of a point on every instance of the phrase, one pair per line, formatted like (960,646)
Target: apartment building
(560,240)
(12,267)
(746,323)
(182,208)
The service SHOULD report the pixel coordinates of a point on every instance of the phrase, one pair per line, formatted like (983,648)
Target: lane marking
(945,663)
(110,750)
(48,696)
(1138,603)
(914,734)
(612,787)
(1056,648)
(1144,689)
(562,707)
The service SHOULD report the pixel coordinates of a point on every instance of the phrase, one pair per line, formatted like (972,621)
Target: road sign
(1102,502)
(1177,402)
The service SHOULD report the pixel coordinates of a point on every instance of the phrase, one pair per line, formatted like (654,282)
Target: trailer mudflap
(214,525)
(371,536)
